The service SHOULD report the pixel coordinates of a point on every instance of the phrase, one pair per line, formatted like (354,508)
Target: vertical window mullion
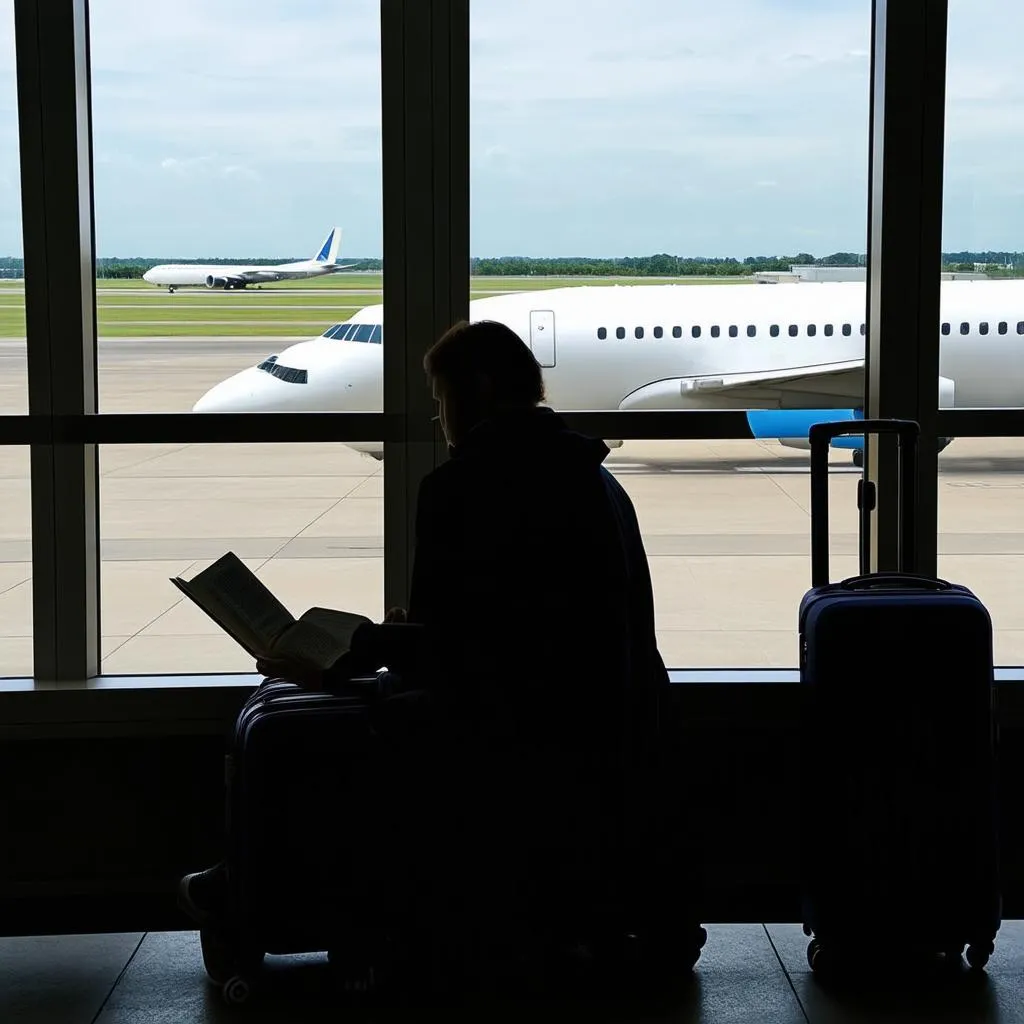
(904,259)
(425,142)
(52,53)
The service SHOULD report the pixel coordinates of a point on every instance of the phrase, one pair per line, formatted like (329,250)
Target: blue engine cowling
(794,425)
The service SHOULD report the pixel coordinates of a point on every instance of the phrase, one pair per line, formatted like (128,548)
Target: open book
(249,613)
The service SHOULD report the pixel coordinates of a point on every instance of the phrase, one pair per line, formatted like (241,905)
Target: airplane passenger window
(983,327)
(863,328)
(378,334)
(1020,326)
(828,330)
(695,331)
(715,330)
(602,333)
(677,332)
(751,331)
(620,332)
(847,330)
(1002,326)
(638,332)
(792,330)
(965,327)
(774,330)
(945,328)
(658,332)
(733,330)
(811,330)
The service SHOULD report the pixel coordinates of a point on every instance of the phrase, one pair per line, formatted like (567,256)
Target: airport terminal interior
(118,695)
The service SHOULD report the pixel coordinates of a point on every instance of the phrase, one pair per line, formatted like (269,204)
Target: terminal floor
(747,973)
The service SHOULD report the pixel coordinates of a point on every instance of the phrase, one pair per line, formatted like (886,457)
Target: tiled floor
(747,973)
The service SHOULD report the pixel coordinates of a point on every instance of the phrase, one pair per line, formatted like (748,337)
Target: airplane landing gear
(170,289)
(858,453)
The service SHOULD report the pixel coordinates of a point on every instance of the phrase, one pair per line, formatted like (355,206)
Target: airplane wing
(825,385)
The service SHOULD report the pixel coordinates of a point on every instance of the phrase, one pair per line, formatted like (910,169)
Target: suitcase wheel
(230,964)
(978,954)
(821,960)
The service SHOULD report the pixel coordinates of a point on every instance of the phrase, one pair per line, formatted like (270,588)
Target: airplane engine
(796,442)
(216,282)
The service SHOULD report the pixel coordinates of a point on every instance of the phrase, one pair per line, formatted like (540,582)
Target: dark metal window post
(425,119)
(908,96)
(54,118)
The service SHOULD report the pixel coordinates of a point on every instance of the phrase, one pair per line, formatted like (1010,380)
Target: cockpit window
(371,333)
(289,374)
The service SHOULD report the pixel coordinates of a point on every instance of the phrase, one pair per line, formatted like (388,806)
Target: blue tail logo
(321,256)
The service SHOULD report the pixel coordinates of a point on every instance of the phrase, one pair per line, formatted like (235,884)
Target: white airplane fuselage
(186,275)
(672,347)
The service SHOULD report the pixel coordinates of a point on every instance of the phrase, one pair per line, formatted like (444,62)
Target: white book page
(305,641)
(237,593)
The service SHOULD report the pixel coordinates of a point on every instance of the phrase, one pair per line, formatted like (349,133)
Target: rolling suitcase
(899,812)
(305,823)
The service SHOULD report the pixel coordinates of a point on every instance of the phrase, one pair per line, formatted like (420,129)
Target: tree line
(996,264)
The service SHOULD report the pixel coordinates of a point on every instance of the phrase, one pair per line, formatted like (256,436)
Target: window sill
(197,704)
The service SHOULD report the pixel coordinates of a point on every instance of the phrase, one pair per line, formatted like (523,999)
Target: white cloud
(250,126)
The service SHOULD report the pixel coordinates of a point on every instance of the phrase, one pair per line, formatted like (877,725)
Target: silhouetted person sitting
(529,641)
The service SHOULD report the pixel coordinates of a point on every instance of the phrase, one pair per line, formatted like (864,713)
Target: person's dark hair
(488,348)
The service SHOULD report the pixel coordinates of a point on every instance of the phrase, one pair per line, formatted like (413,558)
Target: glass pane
(242,219)
(610,149)
(15,564)
(726,526)
(13,360)
(982,254)
(307,519)
(981,540)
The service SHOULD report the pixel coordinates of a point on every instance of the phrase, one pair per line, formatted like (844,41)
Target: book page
(220,614)
(243,605)
(340,625)
(305,641)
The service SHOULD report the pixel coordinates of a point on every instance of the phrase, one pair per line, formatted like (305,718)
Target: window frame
(425,128)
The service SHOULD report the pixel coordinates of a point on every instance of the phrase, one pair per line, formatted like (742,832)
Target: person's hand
(396,615)
(294,671)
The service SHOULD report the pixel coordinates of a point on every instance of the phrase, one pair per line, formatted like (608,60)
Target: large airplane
(788,355)
(183,275)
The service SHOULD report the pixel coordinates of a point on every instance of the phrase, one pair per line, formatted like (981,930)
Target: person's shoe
(203,895)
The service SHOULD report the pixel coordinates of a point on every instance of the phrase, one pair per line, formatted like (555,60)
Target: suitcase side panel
(901,807)
(297,795)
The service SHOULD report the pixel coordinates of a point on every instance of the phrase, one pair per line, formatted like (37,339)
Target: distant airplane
(182,275)
(789,356)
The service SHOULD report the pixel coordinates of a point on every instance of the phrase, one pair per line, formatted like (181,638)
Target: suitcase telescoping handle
(821,435)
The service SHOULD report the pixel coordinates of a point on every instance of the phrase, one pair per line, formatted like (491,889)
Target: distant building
(799,273)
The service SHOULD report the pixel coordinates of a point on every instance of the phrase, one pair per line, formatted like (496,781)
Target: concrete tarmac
(726,526)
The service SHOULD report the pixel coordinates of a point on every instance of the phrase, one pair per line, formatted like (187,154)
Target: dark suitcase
(899,812)
(304,825)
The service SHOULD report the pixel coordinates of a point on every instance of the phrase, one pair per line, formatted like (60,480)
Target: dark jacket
(531,593)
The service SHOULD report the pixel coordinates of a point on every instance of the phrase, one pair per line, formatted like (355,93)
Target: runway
(725,525)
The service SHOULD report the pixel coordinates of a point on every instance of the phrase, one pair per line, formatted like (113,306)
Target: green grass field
(138,309)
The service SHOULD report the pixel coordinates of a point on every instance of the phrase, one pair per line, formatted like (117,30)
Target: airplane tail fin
(329,250)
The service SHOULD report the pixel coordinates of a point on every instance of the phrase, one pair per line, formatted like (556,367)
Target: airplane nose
(252,390)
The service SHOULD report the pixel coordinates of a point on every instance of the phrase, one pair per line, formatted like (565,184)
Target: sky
(598,127)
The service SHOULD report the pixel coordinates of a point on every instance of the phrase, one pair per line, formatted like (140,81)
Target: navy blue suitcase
(304,818)
(900,841)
